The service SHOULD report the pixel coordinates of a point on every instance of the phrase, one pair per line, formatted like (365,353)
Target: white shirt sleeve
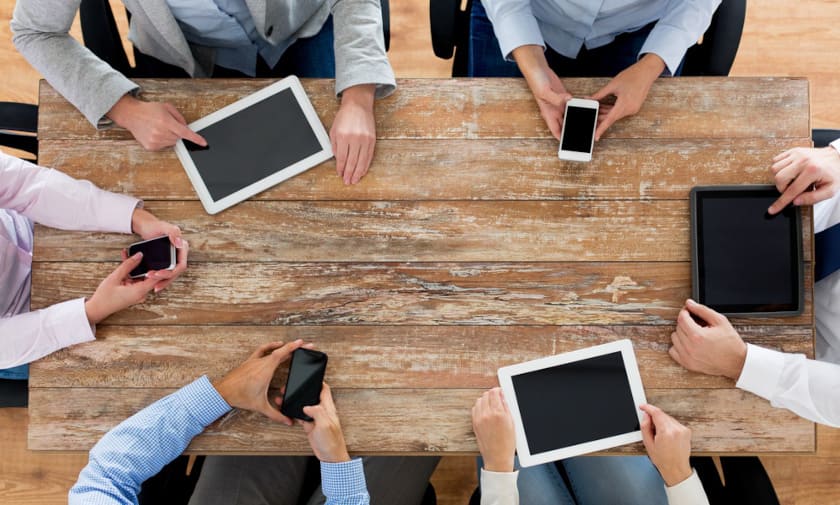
(804,386)
(688,492)
(33,335)
(499,488)
(836,145)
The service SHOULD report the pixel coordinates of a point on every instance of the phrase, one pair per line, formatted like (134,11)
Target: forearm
(141,445)
(804,386)
(532,63)
(52,198)
(33,335)
(40,33)
(360,56)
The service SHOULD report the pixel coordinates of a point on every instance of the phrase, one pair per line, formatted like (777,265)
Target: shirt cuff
(668,43)
(69,323)
(836,145)
(688,492)
(340,480)
(762,371)
(114,211)
(202,400)
(500,486)
(517,29)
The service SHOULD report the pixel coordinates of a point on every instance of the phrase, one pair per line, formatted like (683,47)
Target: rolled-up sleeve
(514,25)
(678,29)
(360,47)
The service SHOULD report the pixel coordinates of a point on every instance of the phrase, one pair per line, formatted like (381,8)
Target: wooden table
(469,246)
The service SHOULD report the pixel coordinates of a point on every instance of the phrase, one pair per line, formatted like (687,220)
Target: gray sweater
(40,32)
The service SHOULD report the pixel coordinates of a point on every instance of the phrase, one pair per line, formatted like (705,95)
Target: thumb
(647,432)
(612,116)
(705,313)
(125,268)
(607,90)
(554,98)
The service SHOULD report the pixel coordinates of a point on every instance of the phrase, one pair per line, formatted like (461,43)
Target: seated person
(804,176)
(218,38)
(140,446)
(594,480)
(32,193)
(633,41)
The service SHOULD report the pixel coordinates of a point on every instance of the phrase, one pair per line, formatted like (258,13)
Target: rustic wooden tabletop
(467,247)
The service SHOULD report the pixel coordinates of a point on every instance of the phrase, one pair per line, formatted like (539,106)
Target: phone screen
(578,129)
(306,377)
(157,255)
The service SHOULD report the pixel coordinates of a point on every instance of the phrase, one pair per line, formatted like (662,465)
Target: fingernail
(691,302)
(138,255)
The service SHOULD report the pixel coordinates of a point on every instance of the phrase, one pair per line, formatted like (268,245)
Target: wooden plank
(493,108)
(400,293)
(574,231)
(381,421)
(447,169)
(371,356)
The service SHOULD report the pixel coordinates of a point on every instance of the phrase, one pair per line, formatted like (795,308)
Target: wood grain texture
(400,293)
(372,357)
(258,232)
(678,108)
(456,169)
(418,421)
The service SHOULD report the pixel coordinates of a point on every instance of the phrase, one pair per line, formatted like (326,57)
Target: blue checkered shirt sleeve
(344,483)
(140,446)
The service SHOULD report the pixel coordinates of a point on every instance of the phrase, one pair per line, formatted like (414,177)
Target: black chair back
(19,126)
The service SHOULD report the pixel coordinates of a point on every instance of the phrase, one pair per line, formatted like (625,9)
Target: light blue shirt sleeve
(680,28)
(344,483)
(514,24)
(139,447)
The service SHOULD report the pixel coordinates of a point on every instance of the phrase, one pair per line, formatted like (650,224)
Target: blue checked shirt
(139,447)
(568,25)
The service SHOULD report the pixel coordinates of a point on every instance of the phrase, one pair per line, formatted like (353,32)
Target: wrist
(138,220)
(653,63)
(674,476)
(339,456)
(93,312)
(739,359)
(500,465)
(222,388)
(123,109)
(361,95)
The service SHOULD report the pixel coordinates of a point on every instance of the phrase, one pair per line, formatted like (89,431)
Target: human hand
(324,431)
(547,88)
(630,88)
(800,169)
(668,444)
(493,427)
(246,386)
(353,133)
(118,291)
(715,349)
(155,125)
(145,224)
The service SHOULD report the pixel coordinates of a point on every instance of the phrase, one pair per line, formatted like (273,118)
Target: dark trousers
(747,483)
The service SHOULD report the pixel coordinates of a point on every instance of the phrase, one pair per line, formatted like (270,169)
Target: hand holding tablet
(574,403)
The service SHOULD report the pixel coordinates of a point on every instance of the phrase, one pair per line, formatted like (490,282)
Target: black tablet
(746,262)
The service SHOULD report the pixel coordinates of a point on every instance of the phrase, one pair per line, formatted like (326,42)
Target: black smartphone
(303,387)
(158,254)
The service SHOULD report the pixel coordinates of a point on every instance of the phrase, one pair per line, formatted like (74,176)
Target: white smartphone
(578,136)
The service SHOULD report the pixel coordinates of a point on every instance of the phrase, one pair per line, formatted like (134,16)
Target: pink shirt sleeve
(54,199)
(33,335)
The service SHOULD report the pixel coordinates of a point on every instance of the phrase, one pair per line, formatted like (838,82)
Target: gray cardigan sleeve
(360,47)
(41,33)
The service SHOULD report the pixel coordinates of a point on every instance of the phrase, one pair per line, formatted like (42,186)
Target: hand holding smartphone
(158,254)
(578,136)
(303,387)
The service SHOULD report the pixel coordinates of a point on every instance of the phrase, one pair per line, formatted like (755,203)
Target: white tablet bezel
(292,82)
(634,379)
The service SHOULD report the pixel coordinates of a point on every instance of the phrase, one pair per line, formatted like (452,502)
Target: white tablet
(574,403)
(253,144)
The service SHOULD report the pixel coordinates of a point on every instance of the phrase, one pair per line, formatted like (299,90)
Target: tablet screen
(576,402)
(747,259)
(253,144)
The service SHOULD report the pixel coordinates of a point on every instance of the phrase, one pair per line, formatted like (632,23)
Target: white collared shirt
(807,387)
